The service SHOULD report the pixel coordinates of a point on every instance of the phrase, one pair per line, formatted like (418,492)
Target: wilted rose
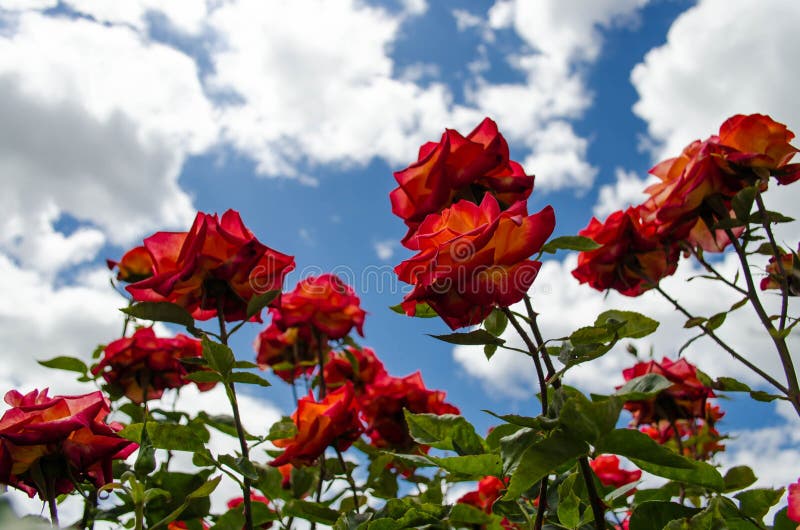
(218,264)
(333,421)
(326,304)
(472,258)
(58,438)
(631,259)
(383,402)
(142,359)
(458,168)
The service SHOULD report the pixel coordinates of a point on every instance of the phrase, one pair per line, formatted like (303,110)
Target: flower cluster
(218,265)
(464,202)
(641,245)
(47,444)
(142,366)
(489,490)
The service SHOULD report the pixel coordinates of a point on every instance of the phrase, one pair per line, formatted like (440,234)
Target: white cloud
(555,293)
(385,249)
(186,16)
(466,19)
(559,158)
(16,5)
(627,190)
(702,75)
(415,7)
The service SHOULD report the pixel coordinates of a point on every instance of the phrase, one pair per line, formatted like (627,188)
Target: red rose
(630,259)
(489,490)
(129,362)
(793,512)
(290,352)
(332,421)
(758,141)
(218,263)
(360,366)
(181,525)
(791,268)
(59,437)
(326,303)
(254,497)
(458,168)
(135,265)
(607,469)
(685,399)
(383,402)
(474,257)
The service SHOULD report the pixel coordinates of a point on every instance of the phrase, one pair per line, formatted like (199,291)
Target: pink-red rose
(254,498)
(685,399)
(360,366)
(607,469)
(58,438)
(333,421)
(472,258)
(326,304)
(790,262)
(757,141)
(631,259)
(289,351)
(134,266)
(383,402)
(217,265)
(142,359)
(458,168)
(793,512)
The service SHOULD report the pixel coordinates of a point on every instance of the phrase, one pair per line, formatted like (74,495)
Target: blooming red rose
(290,352)
(360,366)
(607,469)
(458,168)
(143,358)
(60,437)
(254,498)
(135,265)
(489,490)
(383,402)
(472,258)
(793,512)
(791,269)
(757,141)
(685,399)
(631,259)
(332,421)
(326,303)
(181,525)
(218,263)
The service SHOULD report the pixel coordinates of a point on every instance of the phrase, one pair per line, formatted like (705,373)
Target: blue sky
(122,119)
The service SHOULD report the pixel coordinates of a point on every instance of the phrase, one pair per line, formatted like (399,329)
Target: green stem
(708,331)
(776,251)
(597,504)
(349,479)
(710,268)
(230,390)
(779,341)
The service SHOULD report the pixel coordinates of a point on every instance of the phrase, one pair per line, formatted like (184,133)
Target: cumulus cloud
(626,190)
(385,249)
(185,16)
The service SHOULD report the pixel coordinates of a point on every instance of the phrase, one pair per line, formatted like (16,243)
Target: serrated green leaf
(446,431)
(496,322)
(693,322)
(579,243)
(643,387)
(314,512)
(160,312)
(635,325)
(716,321)
(764,397)
(729,384)
(489,351)
(742,202)
(241,465)
(285,428)
(652,515)
(219,356)
(206,489)
(167,436)
(470,466)
(738,477)
(70,364)
(756,503)
(249,378)
(466,515)
(203,376)
(587,420)
(478,337)
(422,310)
(259,302)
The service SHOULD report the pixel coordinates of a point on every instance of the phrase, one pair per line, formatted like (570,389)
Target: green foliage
(578,243)
(447,431)
(479,337)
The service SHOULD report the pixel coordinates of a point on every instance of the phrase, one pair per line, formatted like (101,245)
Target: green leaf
(167,436)
(579,243)
(422,310)
(70,364)
(541,458)
(764,397)
(573,355)
(478,337)
(249,378)
(160,312)
(742,202)
(756,503)
(514,445)
(203,376)
(716,321)
(771,217)
(259,302)
(285,428)
(653,515)
(729,384)
(643,387)
(635,325)
(446,431)
(243,466)
(470,466)
(466,515)
(314,512)
(489,351)
(569,504)
(694,321)
(588,420)
(591,335)
(244,365)
(738,477)
(219,356)
(206,489)
(496,322)
(782,521)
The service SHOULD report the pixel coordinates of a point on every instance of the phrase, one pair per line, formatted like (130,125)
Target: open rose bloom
(325,303)
(58,438)
(134,266)
(793,512)
(332,421)
(289,351)
(217,264)
(144,359)
(608,470)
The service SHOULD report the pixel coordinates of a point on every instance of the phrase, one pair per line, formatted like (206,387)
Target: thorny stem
(778,259)
(230,390)
(771,380)
(50,485)
(349,479)
(90,505)
(710,268)
(780,343)
(598,509)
